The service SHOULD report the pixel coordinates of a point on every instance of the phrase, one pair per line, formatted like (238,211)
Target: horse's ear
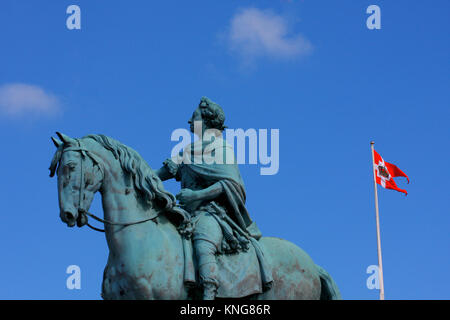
(56,142)
(65,139)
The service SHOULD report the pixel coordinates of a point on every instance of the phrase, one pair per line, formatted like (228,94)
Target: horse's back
(294,273)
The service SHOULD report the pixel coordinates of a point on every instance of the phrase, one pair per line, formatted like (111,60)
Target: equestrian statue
(201,243)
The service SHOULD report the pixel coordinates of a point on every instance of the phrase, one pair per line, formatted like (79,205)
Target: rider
(213,193)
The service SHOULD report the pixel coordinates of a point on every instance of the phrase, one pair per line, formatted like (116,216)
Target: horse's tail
(329,290)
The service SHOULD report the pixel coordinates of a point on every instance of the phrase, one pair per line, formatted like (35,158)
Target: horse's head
(80,176)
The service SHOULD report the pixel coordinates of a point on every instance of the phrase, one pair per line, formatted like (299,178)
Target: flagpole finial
(372,142)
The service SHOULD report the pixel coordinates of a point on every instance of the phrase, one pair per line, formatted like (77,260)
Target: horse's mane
(144,178)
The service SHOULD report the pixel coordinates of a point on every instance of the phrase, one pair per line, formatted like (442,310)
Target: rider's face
(196,116)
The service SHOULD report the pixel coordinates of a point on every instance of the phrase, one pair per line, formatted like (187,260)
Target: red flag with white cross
(385,173)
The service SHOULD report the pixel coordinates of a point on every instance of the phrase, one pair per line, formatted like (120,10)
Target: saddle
(241,274)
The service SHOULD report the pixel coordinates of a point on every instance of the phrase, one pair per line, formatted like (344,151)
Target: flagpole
(380,261)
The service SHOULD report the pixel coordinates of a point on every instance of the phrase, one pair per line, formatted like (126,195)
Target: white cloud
(254,32)
(17,99)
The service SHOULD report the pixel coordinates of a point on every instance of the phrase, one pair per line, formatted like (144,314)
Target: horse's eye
(68,168)
(88,179)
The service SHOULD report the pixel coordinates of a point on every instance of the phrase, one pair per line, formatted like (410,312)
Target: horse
(146,258)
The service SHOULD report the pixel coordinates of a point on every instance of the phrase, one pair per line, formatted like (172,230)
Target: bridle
(85,152)
(123,224)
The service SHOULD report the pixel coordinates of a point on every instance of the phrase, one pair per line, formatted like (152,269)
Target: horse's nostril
(69,216)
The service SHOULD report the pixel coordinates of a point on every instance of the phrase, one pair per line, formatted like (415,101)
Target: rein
(124,224)
(83,151)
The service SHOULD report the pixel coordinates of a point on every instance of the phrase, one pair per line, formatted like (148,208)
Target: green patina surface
(203,247)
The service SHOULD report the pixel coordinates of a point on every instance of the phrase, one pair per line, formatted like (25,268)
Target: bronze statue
(206,246)
(214,195)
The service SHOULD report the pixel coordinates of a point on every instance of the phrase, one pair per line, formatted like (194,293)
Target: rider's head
(210,113)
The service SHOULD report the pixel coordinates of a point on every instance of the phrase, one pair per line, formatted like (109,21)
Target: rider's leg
(207,239)
(207,265)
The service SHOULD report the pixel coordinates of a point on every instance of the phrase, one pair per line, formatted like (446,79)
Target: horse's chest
(142,272)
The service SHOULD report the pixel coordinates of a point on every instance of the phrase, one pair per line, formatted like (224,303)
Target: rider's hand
(187,195)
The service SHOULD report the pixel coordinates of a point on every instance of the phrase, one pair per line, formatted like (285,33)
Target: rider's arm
(163,173)
(211,192)
(188,196)
(168,171)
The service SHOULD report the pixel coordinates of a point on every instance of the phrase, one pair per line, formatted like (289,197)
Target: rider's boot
(208,268)
(209,291)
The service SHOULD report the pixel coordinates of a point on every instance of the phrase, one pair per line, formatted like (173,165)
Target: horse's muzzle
(69,218)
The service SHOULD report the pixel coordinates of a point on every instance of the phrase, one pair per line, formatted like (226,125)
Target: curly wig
(212,114)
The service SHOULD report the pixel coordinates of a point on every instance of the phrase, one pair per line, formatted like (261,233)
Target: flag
(385,173)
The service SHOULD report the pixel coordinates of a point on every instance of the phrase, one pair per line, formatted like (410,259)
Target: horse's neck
(122,204)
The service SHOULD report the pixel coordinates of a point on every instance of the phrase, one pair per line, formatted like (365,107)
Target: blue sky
(311,69)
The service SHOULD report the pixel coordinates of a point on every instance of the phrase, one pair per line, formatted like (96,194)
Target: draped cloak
(211,162)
